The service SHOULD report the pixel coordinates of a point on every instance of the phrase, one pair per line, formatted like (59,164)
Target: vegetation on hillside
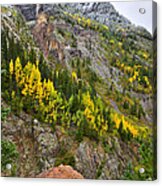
(75,97)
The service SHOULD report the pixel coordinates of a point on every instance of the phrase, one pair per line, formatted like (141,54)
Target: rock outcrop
(61,172)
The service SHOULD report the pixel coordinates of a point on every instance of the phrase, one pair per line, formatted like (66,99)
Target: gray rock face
(93,162)
(105,13)
(48,146)
(102,12)
(29,11)
(88,160)
(38,146)
(40,149)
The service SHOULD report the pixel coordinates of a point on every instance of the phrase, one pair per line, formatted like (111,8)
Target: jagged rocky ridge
(102,12)
(92,159)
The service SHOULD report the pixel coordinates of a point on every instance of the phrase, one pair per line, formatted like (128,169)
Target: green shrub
(9,155)
(4,113)
(66,159)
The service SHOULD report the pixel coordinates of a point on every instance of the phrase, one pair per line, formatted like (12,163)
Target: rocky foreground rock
(43,152)
(61,172)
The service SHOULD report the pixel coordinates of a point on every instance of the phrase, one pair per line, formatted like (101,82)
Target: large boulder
(61,172)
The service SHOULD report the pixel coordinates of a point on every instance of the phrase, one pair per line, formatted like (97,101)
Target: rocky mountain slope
(77,90)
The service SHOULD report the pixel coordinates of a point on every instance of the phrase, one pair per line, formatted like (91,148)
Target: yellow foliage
(123,51)
(29,80)
(122,65)
(18,69)
(88,22)
(134,77)
(138,66)
(117,120)
(145,55)
(120,44)
(130,80)
(87,101)
(79,20)
(128,69)
(130,127)
(126,125)
(13,94)
(146,79)
(74,75)
(112,41)
(11,67)
(95,120)
(136,73)
(42,91)
(100,125)
(105,27)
